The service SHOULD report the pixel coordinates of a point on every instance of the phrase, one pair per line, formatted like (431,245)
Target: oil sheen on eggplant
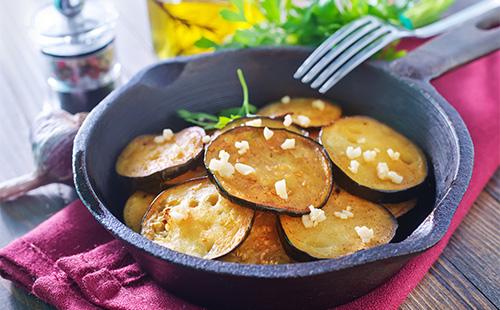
(145,158)
(335,236)
(370,135)
(320,112)
(305,168)
(262,246)
(194,219)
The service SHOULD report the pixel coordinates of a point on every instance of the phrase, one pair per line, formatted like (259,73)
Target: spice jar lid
(75,27)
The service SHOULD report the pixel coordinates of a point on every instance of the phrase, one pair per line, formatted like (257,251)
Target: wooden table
(465,276)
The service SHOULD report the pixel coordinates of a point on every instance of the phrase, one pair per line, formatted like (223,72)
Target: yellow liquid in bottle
(176,26)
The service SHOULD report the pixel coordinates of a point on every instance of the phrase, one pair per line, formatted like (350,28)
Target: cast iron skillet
(397,93)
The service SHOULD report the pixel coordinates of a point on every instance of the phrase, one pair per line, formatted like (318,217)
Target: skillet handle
(474,39)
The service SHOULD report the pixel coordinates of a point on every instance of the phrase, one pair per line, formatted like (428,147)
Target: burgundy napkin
(71,262)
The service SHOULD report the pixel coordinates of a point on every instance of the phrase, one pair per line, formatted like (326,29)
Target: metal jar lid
(75,27)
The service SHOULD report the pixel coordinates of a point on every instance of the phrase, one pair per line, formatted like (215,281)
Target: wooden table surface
(465,276)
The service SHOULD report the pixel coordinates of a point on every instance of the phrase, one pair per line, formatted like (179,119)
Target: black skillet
(397,93)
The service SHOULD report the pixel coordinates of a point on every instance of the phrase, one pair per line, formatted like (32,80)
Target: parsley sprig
(219,121)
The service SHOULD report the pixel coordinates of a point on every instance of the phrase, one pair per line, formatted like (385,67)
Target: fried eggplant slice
(373,161)
(306,112)
(351,224)
(262,246)
(194,219)
(285,173)
(399,209)
(148,158)
(135,208)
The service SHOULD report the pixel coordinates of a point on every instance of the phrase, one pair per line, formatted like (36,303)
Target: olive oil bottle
(176,25)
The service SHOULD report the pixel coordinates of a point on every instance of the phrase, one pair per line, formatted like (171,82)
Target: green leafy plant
(287,23)
(219,121)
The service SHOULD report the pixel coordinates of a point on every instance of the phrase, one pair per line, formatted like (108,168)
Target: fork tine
(327,45)
(348,53)
(355,61)
(339,50)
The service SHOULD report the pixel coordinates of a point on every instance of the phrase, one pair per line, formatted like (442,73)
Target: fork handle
(452,49)
(456,19)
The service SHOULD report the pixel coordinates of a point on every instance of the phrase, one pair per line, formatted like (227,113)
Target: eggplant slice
(269,122)
(320,112)
(194,219)
(262,246)
(335,237)
(145,159)
(373,136)
(401,208)
(305,168)
(135,208)
(195,173)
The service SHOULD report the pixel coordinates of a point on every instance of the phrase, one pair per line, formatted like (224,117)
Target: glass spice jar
(76,38)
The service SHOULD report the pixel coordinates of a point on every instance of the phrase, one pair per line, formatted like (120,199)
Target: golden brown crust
(335,237)
(262,246)
(135,208)
(304,106)
(143,157)
(193,218)
(401,208)
(305,168)
(350,131)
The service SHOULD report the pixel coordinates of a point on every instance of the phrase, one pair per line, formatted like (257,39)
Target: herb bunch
(286,23)
(219,121)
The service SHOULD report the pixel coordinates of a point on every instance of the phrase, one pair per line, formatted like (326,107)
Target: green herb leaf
(204,42)
(209,121)
(232,16)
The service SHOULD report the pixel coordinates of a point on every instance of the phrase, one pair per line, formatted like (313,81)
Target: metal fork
(357,41)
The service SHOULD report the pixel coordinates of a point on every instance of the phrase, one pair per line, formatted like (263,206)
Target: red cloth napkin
(71,262)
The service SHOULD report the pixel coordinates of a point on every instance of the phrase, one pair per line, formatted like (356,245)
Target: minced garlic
(314,217)
(268,133)
(288,120)
(242,146)
(285,99)
(392,154)
(366,234)
(303,120)
(244,169)
(369,155)
(318,104)
(280,187)
(288,144)
(352,152)
(354,166)
(254,123)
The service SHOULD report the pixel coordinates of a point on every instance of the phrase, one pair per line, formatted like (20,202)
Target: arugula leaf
(238,16)
(204,42)
(209,121)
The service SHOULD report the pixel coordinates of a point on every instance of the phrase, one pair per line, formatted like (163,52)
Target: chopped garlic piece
(159,139)
(366,234)
(369,155)
(315,217)
(318,104)
(395,177)
(242,146)
(303,120)
(244,169)
(280,187)
(361,140)
(168,134)
(344,214)
(222,165)
(352,152)
(268,133)
(254,123)
(285,99)
(382,170)
(206,139)
(377,150)
(288,144)
(354,166)
(223,155)
(288,120)
(392,154)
